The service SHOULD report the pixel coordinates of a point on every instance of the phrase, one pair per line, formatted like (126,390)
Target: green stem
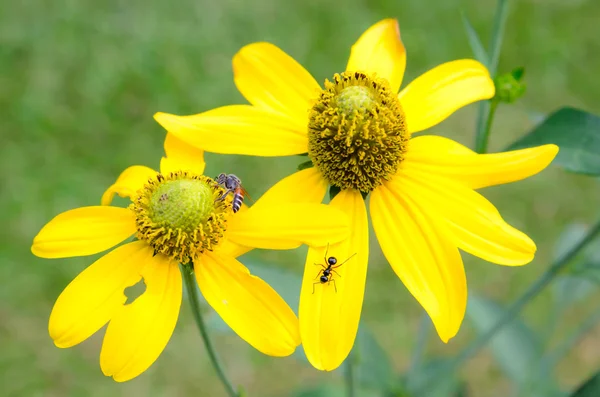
(349,376)
(481,142)
(486,109)
(192,289)
(482,112)
(518,305)
(497,35)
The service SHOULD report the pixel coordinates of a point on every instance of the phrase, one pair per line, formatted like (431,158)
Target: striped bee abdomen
(238,199)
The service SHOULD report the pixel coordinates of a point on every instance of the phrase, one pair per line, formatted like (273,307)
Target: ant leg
(322,265)
(336,273)
(334,286)
(318,274)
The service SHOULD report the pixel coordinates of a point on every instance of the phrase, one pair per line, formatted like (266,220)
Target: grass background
(80,80)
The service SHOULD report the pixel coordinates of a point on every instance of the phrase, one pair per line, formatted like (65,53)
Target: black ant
(324,274)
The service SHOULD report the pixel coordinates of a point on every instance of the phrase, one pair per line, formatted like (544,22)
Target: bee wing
(246,194)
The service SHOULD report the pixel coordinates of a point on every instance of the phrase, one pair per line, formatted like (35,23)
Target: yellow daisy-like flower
(176,218)
(357,133)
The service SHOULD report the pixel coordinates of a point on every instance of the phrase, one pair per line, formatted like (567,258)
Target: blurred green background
(80,81)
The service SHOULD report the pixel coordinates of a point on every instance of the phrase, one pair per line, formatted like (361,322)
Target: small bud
(509,87)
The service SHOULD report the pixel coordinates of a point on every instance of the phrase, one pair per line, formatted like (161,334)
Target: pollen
(178,215)
(357,134)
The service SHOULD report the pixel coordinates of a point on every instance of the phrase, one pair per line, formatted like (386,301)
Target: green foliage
(518,73)
(474,41)
(428,377)
(515,347)
(305,165)
(591,388)
(322,391)
(576,132)
(580,279)
(333,191)
(372,365)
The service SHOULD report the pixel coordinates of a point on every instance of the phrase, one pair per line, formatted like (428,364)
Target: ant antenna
(326,251)
(350,257)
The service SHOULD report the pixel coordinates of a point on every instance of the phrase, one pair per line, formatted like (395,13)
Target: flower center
(178,216)
(357,133)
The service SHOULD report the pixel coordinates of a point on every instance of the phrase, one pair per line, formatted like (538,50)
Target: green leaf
(591,388)
(474,41)
(333,191)
(515,347)
(424,377)
(576,132)
(569,238)
(583,276)
(570,289)
(518,73)
(373,368)
(305,165)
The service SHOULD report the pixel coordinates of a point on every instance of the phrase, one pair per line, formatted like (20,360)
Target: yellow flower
(176,219)
(357,133)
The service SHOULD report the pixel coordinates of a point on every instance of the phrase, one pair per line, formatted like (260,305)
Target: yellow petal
(306,186)
(91,299)
(287,226)
(380,50)
(248,305)
(128,183)
(229,248)
(181,157)
(435,95)
(239,129)
(84,231)
(443,156)
(329,317)
(427,262)
(139,331)
(474,223)
(269,78)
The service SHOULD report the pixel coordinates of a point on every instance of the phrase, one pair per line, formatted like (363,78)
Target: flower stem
(349,376)
(192,289)
(486,110)
(481,140)
(497,35)
(517,306)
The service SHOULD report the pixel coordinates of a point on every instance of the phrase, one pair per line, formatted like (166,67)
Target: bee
(324,274)
(232,184)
